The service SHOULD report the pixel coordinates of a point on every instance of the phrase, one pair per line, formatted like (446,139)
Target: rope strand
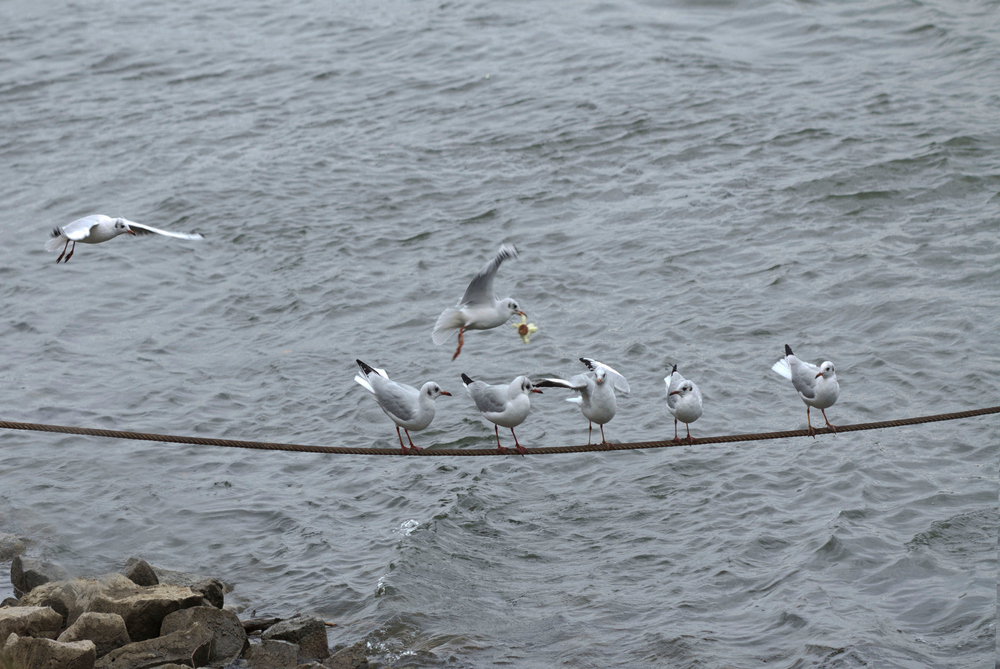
(544,450)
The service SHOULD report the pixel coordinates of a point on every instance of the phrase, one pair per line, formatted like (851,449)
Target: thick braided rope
(544,450)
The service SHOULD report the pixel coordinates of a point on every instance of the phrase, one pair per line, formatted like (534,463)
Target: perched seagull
(479,308)
(409,408)
(683,401)
(817,386)
(597,393)
(99,228)
(502,405)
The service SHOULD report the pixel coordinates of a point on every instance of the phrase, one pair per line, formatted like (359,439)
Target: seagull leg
(676,438)
(690,440)
(500,449)
(461,341)
(406,451)
(518,447)
(828,423)
(412,447)
(70,253)
(604,442)
(812,432)
(590,431)
(66,246)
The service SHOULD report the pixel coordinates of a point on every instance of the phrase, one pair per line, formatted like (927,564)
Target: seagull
(597,393)
(479,308)
(502,405)
(683,401)
(409,408)
(100,228)
(817,386)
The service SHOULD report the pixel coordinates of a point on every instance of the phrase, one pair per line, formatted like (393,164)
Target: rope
(549,450)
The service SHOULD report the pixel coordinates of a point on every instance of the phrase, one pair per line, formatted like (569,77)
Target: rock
(72,597)
(106,630)
(30,621)
(144,609)
(308,632)
(212,590)
(9,601)
(25,652)
(26,574)
(139,572)
(352,657)
(272,654)
(229,639)
(190,647)
(11,545)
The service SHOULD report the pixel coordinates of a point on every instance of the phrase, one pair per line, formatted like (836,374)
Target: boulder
(308,632)
(106,630)
(30,621)
(28,653)
(72,597)
(26,574)
(11,545)
(8,601)
(144,609)
(352,657)
(139,572)
(229,640)
(272,654)
(190,647)
(212,589)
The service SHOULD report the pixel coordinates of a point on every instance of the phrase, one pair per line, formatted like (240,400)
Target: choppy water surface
(697,183)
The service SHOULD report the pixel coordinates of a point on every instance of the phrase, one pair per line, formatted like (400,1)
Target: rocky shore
(142,618)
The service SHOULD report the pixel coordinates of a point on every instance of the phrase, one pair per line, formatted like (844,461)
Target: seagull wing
(480,290)
(619,381)
(80,229)
(803,376)
(488,399)
(141,229)
(396,398)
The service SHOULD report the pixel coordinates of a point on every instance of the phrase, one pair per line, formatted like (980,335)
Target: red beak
(520,313)
(445,392)
(676,392)
(130,231)
(819,375)
(536,390)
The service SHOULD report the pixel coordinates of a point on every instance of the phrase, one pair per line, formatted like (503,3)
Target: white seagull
(683,401)
(479,308)
(100,228)
(597,389)
(817,386)
(502,405)
(409,408)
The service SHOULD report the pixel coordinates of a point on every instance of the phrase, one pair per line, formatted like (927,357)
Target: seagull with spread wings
(100,228)
(597,388)
(479,308)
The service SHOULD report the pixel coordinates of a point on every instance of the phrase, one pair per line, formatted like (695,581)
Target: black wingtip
(466,380)
(788,350)
(674,370)
(588,363)
(56,232)
(366,368)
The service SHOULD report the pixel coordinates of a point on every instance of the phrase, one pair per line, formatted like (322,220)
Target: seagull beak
(536,390)
(521,313)
(445,392)
(819,375)
(676,392)
(131,232)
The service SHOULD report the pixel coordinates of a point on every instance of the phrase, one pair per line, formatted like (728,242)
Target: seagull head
(526,386)
(121,227)
(510,304)
(599,375)
(684,389)
(433,390)
(826,370)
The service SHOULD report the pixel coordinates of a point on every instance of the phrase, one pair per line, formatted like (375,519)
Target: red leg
(518,447)
(65,246)
(71,252)
(812,432)
(828,423)
(460,342)
(406,451)
(590,431)
(603,440)
(676,438)
(412,447)
(500,449)
(690,440)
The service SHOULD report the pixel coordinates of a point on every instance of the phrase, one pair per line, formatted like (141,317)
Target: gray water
(691,183)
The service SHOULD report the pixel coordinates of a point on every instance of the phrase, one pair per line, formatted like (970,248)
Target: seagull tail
(56,242)
(575,400)
(364,383)
(449,321)
(781,367)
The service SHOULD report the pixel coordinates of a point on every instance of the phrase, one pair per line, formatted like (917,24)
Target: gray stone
(308,632)
(72,597)
(229,639)
(35,621)
(189,647)
(106,630)
(9,601)
(25,652)
(352,657)
(144,609)
(139,572)
(272,654)
(11,545)
(26,574)
(212,589)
